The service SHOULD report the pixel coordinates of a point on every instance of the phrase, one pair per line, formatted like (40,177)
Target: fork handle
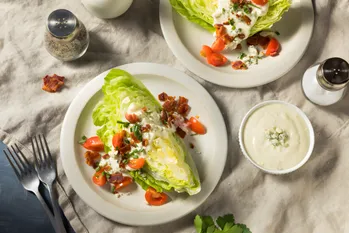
(46,209)
(56,209)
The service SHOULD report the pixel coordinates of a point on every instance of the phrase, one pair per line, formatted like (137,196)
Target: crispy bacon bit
(52,83)
(238,65)
(144,109)
(163,116)
(107,168)
(91,158)
(134,138)
(163,96)
(145,128)
(126,148)
(132,118)
(191,145)
(145,142)
(226,23)
(182,100)
(241,36)
(238,47)
(183,109)
(246,19)
(180,132)
(263,41)
(170,105)
(106,156)
(227,39)
(116,178)
(132,143)
(220,30)
(258,40)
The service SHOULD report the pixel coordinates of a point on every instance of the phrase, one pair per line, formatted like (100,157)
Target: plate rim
(71,118)
(196,67)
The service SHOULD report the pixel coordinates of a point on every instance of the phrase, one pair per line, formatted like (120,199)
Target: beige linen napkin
(312,199)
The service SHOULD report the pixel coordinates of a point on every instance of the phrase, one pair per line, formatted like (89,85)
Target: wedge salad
(242,25)
(140,141)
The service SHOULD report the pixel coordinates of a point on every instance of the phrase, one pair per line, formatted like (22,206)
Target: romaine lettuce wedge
(168,166)
(200,12)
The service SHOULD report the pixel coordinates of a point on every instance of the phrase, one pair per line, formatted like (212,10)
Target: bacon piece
(180,132)
(145,142)
(52,83)
(144,109)
(238,47)
(132,118)
(163,116)
(145,128)
(220,30)
(241,36)
(238,65)
(191,145)
(170,105)
(91,158)
(116,178)
(107,168)
(258,40)
(246,19)
(163,96)
(182,100)
(183,109)
(126,148)
(106,156)
(134,138)
(263,41)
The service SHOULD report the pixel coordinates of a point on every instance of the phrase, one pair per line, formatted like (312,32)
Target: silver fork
(46,169)
(28,177)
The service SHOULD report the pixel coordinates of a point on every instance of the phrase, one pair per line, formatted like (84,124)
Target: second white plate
(185,39)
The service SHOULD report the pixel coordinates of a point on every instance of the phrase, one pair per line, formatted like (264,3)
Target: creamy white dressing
(264,153)
(226,12)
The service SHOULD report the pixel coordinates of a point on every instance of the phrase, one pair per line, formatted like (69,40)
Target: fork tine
(41,161)
(12,165)
(48,149)
(25,159)
(20,170)
(35,157)
(44,153)
(24,165)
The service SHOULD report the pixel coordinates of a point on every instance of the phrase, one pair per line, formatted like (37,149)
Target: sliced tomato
(260,2)
(216,59)
(99,178)
(94,143)
(155,198)
(196,126)
(118,138)
(125,182)
(273,47)
(132,118)
(136,163)
(218,45)
(206,51)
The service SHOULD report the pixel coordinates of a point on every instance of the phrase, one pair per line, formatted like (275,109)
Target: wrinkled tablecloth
(312,199)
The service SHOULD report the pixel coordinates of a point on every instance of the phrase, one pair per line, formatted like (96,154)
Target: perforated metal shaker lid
(61,23)
(333,73)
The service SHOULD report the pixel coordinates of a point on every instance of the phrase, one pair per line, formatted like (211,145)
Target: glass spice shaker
(326,83)
(66,37)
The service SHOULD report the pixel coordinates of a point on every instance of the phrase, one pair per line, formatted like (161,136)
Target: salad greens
(224,224)
(121,90)
(200,12)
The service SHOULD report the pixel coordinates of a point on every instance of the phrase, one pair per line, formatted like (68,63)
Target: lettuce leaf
(168,166)
(200,12)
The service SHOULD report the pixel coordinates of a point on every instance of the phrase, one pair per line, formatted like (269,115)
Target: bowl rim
(307,122)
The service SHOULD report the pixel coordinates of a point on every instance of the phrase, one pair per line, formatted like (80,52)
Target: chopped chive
(112,188)
(98,168)
(242,55)
(254,6)
(108,176)
(125,124)
(194,134)
(277,33)
(236,6)
(83,140)
(223,10)
(103,173)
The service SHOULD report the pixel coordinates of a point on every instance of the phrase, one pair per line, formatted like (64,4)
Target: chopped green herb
(242,55)
(223,10)
(236,6)
(232,23)
(113,188)
(135,156)
(125,124)
(83,140)
(136,129)
(108,175)
(126,141)
(125,161)
(96,164)
(277,33)
(103,173)
(98,168)
(247,10)
(194,134)
(254,6)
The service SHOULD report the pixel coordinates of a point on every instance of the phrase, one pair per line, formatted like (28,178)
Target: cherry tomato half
(99,178)
(218,45)
(94,143)
(155,198)
(273,47)
(216,59)
(126,181)
(206,51)
(196,126)
(118,139)
(260,2)
(136,163)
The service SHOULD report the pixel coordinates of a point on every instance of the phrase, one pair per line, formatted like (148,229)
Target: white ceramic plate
(186,39)
(132,209)
(301,114)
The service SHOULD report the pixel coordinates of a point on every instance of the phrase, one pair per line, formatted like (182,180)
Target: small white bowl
(307,122)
